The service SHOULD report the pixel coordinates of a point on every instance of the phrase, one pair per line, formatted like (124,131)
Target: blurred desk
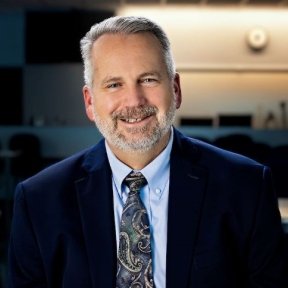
(283,206)
(63,141)
(272,137)
(8,154)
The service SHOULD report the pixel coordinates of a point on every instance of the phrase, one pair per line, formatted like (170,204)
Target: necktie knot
(135,181)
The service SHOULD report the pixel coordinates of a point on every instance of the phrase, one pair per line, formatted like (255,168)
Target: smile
(135,115)
(132,120)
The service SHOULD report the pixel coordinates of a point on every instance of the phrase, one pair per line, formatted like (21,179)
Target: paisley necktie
(134,253)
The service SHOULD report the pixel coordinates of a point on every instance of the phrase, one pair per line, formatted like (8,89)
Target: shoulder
(230,177)
(65,173)
(212,157)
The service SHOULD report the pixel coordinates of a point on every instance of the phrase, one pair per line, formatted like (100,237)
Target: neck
(138,160)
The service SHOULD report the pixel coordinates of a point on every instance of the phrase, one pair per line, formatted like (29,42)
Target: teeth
(133,120)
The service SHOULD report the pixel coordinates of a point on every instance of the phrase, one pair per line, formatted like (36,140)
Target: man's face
(132,100)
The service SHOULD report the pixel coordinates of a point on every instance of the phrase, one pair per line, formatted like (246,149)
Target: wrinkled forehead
(138,47)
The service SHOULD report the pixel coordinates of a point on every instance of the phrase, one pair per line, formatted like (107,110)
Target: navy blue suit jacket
(224,227)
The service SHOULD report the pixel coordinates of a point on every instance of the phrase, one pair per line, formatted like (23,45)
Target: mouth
(134,120)
(135,116)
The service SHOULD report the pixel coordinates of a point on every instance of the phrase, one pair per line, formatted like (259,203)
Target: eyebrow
(152,73)
(110,79)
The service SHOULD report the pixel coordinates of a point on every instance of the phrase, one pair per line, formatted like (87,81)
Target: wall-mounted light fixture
(257,39)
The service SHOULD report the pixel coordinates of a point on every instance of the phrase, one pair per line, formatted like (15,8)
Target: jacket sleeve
(25,264)
(267,261)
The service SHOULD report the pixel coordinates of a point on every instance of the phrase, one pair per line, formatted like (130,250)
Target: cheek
(104,106)
(166,101)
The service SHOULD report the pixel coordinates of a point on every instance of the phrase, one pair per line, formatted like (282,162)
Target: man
(212,219)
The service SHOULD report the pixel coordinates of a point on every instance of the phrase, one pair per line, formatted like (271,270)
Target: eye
(149,81)
(113,85)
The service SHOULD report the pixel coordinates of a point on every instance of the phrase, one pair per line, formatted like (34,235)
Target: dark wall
(45,39)
(11,109)
(54,36)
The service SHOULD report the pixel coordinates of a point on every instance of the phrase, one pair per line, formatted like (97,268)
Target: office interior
(232,59)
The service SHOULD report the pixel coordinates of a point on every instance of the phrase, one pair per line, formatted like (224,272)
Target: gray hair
(123,25)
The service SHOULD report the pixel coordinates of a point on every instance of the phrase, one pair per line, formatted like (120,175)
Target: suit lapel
(186,193)
(95,200)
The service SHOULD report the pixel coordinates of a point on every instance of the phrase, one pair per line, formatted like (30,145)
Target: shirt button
(158,191)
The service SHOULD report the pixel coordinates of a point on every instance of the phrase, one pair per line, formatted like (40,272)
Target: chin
(137,144)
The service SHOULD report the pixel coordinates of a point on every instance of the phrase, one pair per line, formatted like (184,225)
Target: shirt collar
(156,172)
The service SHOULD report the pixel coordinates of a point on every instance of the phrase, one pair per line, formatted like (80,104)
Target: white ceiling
(86,4)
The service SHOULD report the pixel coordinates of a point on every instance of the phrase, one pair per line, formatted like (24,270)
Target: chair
(6,207)
(28,162)
(278,161)
(238,143)
(1,162)
(243,144)
(261,153)
(5,219)
(2,173)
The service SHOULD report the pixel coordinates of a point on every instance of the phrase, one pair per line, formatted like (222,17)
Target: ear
(177,90)
(88,100)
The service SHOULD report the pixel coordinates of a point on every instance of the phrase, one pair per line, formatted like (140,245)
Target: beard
(139,139)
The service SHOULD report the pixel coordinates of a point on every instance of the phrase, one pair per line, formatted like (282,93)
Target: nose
(135,96)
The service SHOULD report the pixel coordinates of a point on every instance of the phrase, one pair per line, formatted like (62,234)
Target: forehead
(122,53)
(125,44)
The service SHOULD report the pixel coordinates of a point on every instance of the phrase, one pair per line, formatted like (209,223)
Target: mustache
(141,111)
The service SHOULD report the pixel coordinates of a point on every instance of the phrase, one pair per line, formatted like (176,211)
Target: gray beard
(144,144)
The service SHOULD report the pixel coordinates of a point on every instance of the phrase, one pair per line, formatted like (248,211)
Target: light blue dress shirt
(155,199)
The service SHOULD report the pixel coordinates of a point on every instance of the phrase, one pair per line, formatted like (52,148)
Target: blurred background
(231,55)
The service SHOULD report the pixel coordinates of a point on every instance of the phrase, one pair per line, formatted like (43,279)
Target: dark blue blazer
(224,227)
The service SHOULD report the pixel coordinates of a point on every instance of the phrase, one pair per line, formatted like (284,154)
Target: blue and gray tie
(134,254)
